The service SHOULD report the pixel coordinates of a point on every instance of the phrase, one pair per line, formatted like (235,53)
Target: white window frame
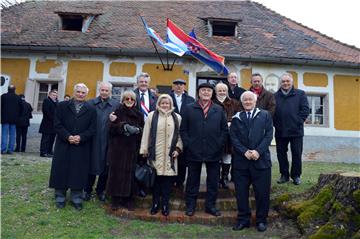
(313,113)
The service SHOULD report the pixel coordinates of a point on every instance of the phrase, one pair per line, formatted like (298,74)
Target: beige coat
(165,131)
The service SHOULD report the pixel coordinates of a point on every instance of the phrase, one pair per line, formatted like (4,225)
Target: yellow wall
(346,102)
(295,78)
(18,70)
(44,66)
(87,72)
(161,77)
(245,77)
(315,79)
(122,69)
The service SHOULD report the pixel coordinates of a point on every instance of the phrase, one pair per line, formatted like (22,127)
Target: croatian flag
(168,45)
(193,47)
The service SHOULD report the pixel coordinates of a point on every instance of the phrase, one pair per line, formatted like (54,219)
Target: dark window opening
(223,28)
(72,23)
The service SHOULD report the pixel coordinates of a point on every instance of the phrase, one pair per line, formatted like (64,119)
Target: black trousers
(101,183)
(46,143)
(21,136)
(182,165)
(261,182)
(162,189)
(296,147)
(193,183)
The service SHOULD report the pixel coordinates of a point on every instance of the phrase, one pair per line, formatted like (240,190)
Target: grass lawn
(28,209)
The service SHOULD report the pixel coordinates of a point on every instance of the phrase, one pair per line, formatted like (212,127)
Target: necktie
(249,116)
(142,97)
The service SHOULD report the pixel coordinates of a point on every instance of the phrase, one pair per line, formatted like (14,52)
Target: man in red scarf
(265,99)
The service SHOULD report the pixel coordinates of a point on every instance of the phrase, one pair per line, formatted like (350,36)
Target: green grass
(28,208)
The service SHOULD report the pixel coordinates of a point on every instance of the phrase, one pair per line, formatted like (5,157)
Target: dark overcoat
(254,135)
(290,114)
(123,152)
(70,164)
(48,110)
(100,140)
(11,108)
(236,92)
(26,115)
(185,100)
(152,100)
(203,138)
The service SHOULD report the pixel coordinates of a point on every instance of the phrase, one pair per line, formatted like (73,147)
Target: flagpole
(173,62)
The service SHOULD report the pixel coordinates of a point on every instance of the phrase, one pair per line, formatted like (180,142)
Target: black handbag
(145,175)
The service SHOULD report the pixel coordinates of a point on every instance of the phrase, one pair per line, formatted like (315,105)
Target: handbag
(145,175)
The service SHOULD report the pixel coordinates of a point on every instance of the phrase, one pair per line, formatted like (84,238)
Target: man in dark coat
(11,109)
(104,105)
(203,132)
(22,125)
(146,100)
(234,90)
(251,132)
(47,124)
(75,126)
(292,109)
(180,99)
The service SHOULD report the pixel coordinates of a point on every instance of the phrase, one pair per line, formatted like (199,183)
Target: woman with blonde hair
(161,144)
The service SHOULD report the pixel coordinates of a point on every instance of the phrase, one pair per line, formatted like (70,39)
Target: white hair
(144,75)
(233,73)
(106,84)
(82,86)
(287,75)
(248,93)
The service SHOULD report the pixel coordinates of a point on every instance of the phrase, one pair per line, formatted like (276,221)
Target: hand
(175,154)
(71,139)
(248,154)
(145,155)
(76,139)
(254,154)
(112,117)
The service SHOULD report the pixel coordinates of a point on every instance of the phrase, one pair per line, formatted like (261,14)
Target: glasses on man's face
(129,99)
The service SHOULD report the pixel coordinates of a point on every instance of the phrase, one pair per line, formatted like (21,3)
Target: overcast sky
(338,19)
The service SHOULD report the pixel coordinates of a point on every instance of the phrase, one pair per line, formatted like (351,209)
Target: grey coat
(100,140)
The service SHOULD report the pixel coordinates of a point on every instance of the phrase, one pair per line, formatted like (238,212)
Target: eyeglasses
(129,99)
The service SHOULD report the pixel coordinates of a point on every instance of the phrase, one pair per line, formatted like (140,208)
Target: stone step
(228,218)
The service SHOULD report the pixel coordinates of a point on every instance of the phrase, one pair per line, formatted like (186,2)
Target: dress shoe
(154,209)
(102,197)
(240,226)
(77,206)
(46,155)
(60,205)
(190,212)
(297,181)
(283,179)
(165,210)
(261,227)
(86,196)
(213,211)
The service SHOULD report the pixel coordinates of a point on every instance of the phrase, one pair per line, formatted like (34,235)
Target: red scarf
(206,107)
(257,91)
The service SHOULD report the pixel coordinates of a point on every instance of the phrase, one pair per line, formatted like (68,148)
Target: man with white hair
(75,125)
(104,105)
(146,100)
(251,132)
(292,109)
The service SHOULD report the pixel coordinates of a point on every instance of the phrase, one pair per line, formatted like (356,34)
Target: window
(220,28)
(43,90)
(117,90)
(72,22)
(318,110)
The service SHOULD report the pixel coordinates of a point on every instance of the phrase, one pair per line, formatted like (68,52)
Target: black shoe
(77,206)
(261,227)
(154,209)
(190,212)
(165,211)
(102,197)
(60,205)
(240,226)
(86,196)
(213,211)
(46,155)
(297,181)
(283,179)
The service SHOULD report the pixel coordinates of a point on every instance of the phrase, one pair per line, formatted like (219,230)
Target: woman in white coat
(161,144)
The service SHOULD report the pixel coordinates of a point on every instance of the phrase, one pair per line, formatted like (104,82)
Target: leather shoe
(60,205)
(46,155)
(283,179)
(102,197)
(86,196)
(297,181)
(165,211)
(77,206)
(261,227)
(154,209)
(190,212)
(213,211)
(240,226)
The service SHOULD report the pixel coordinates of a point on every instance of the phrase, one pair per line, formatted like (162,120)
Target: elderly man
(145,98)
(203,131)
(47,124)
(104,105)
(292,109)
(234,90)
(75,126)
(180,99)
(251,133)
(265,99)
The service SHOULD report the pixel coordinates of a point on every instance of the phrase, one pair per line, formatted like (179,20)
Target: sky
(338,19)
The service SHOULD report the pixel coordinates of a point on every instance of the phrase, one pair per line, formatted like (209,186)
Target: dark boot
(225,168)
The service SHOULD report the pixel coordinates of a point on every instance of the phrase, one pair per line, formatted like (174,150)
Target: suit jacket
(254,134)
(185,99)
(11,108)
(152,100)
(48,110)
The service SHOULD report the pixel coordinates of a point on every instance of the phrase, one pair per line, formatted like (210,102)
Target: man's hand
(254,154)
(71,139)
(112,117)
(175,154)
(77,139)
(248,154)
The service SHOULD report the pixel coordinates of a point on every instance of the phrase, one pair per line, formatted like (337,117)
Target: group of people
(227,127)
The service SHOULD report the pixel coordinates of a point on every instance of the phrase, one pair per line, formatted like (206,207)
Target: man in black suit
(22,125)
(234,90)
(180,99)
(47,124)
(145,98)
(251,132)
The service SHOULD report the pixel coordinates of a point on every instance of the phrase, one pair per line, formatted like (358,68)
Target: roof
(263,35)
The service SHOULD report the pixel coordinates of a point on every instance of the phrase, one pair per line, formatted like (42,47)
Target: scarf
(205,108)
(257,91)
(221,98)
